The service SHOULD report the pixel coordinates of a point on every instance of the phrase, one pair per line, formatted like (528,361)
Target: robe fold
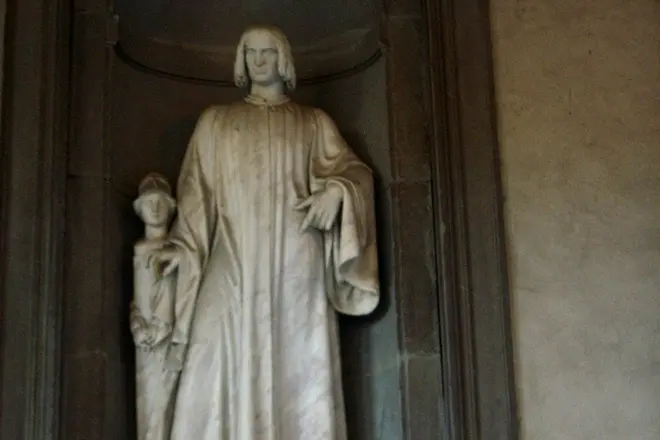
(154,383)
(257,297)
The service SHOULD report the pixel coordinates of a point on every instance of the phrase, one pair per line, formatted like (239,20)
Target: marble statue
(274,236)
(152,311)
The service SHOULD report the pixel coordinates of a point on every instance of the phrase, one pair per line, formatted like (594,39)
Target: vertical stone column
(410,194)
(33,147)
(94,387)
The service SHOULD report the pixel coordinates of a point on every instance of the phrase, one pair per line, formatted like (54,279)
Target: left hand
(323,208)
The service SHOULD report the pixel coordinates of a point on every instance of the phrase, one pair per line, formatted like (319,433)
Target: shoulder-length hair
(285,65)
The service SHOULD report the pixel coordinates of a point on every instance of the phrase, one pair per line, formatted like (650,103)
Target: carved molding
(159,69)
(34,127)
(197,40)
(478,381)
(213,64)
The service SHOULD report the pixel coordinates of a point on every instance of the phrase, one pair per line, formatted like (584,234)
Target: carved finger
(313,215)
(305,203)
(307,221)
(327,223)
(320,219)
(319,213)
(173,264)
(156,258)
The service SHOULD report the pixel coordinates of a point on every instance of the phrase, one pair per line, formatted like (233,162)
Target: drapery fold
(256,296)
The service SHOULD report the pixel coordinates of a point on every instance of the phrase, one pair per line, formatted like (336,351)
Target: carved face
(155,209)
(261,57)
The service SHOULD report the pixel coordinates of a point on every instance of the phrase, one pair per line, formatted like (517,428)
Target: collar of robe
(258,100)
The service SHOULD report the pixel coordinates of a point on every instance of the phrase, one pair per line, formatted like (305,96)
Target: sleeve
(350,246)
(193,229)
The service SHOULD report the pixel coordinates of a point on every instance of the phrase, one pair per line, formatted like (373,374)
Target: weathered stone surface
(415,268)
(423,397)
(84,396)
(409,150)
(403,8)
(87,150)
(84,274)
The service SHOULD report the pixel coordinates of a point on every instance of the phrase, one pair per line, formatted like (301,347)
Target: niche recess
(85,116)
(196,39)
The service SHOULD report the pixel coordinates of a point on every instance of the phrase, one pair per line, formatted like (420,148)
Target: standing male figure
(275,234)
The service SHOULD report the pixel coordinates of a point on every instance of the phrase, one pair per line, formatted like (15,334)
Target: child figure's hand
(142,334)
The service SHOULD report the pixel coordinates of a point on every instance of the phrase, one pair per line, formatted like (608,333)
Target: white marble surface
(152,312)
(275,234)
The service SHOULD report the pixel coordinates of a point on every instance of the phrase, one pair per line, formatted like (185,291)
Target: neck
(270,92)
(155,232)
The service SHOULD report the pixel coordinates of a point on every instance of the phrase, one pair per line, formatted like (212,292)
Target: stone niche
(114,94)
(173,59)
(197,39)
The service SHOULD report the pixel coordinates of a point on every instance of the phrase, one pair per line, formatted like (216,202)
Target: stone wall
(577,86)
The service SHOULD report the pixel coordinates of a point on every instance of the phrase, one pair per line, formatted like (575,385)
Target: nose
(258,59)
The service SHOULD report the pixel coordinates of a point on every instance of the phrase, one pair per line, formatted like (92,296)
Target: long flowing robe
(256,295)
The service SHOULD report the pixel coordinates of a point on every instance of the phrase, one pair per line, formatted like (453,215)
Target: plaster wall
(578,91)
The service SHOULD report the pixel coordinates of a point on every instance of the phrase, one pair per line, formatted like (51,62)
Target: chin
(264,79)
(155,223)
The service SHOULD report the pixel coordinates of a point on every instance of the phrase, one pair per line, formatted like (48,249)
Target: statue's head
(263,56)
(155,204)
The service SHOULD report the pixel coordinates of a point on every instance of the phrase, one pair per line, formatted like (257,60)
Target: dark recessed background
(198,38)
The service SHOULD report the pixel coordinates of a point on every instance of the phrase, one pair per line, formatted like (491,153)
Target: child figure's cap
(154,182)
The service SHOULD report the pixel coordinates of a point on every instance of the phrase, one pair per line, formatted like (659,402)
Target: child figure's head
(155,204)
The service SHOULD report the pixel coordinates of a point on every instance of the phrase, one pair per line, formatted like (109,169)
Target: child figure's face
(155,209)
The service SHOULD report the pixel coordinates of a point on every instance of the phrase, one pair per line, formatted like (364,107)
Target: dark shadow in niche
(196,40)
(173,144)
(158,71)
(356,349)
(357,333)
(357,354)
(132,230)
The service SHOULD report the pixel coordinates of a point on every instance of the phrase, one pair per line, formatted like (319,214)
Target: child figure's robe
(153,302)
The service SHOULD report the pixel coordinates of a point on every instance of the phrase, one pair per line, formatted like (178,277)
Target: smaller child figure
(152,311)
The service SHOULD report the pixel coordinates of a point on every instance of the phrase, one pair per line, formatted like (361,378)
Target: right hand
(170,256)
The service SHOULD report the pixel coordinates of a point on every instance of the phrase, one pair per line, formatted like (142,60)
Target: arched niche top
(197,38)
